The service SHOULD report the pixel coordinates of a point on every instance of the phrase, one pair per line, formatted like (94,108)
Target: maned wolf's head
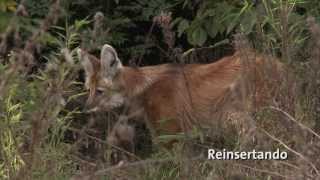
(100,75)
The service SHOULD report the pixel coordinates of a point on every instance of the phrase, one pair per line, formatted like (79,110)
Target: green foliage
(217,18)
(69,36)
(32,111)
(131,17)
(10,125)
(279,29)
(221,18)
(37,9)
(36,100)
(4,20)
(8,5)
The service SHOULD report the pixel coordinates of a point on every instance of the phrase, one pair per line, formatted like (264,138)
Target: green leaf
(81,23)
(183,25)
(212,27)
(210,13)
(47,38)
(248,21)
(222,42)
(14,108)
(4,20)
(232,23)
(16,118)
(199,36)
(185,3)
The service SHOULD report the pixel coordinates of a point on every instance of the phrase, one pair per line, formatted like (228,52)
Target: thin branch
(293,151)
(142,163)
(261,170)
(84,161)
(294,120)
(104,142)
(157,161)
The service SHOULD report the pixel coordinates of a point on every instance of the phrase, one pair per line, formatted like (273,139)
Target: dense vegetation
(46,134)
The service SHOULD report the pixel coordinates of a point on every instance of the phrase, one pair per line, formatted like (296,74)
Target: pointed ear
(110,63)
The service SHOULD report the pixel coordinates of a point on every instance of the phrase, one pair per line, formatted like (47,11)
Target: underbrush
(45,132)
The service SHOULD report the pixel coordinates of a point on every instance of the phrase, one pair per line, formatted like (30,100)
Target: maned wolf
(174,97)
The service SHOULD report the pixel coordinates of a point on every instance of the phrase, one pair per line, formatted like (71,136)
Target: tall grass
(46,134)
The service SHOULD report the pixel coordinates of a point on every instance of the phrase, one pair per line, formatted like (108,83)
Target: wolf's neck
(133,81)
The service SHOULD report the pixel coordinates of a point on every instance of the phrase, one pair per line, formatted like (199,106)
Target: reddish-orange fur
(174,98)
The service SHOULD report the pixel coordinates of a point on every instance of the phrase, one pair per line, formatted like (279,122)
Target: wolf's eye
(99,92)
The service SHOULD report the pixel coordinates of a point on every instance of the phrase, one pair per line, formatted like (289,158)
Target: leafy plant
(11,124)
(8,5)
(215,19)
